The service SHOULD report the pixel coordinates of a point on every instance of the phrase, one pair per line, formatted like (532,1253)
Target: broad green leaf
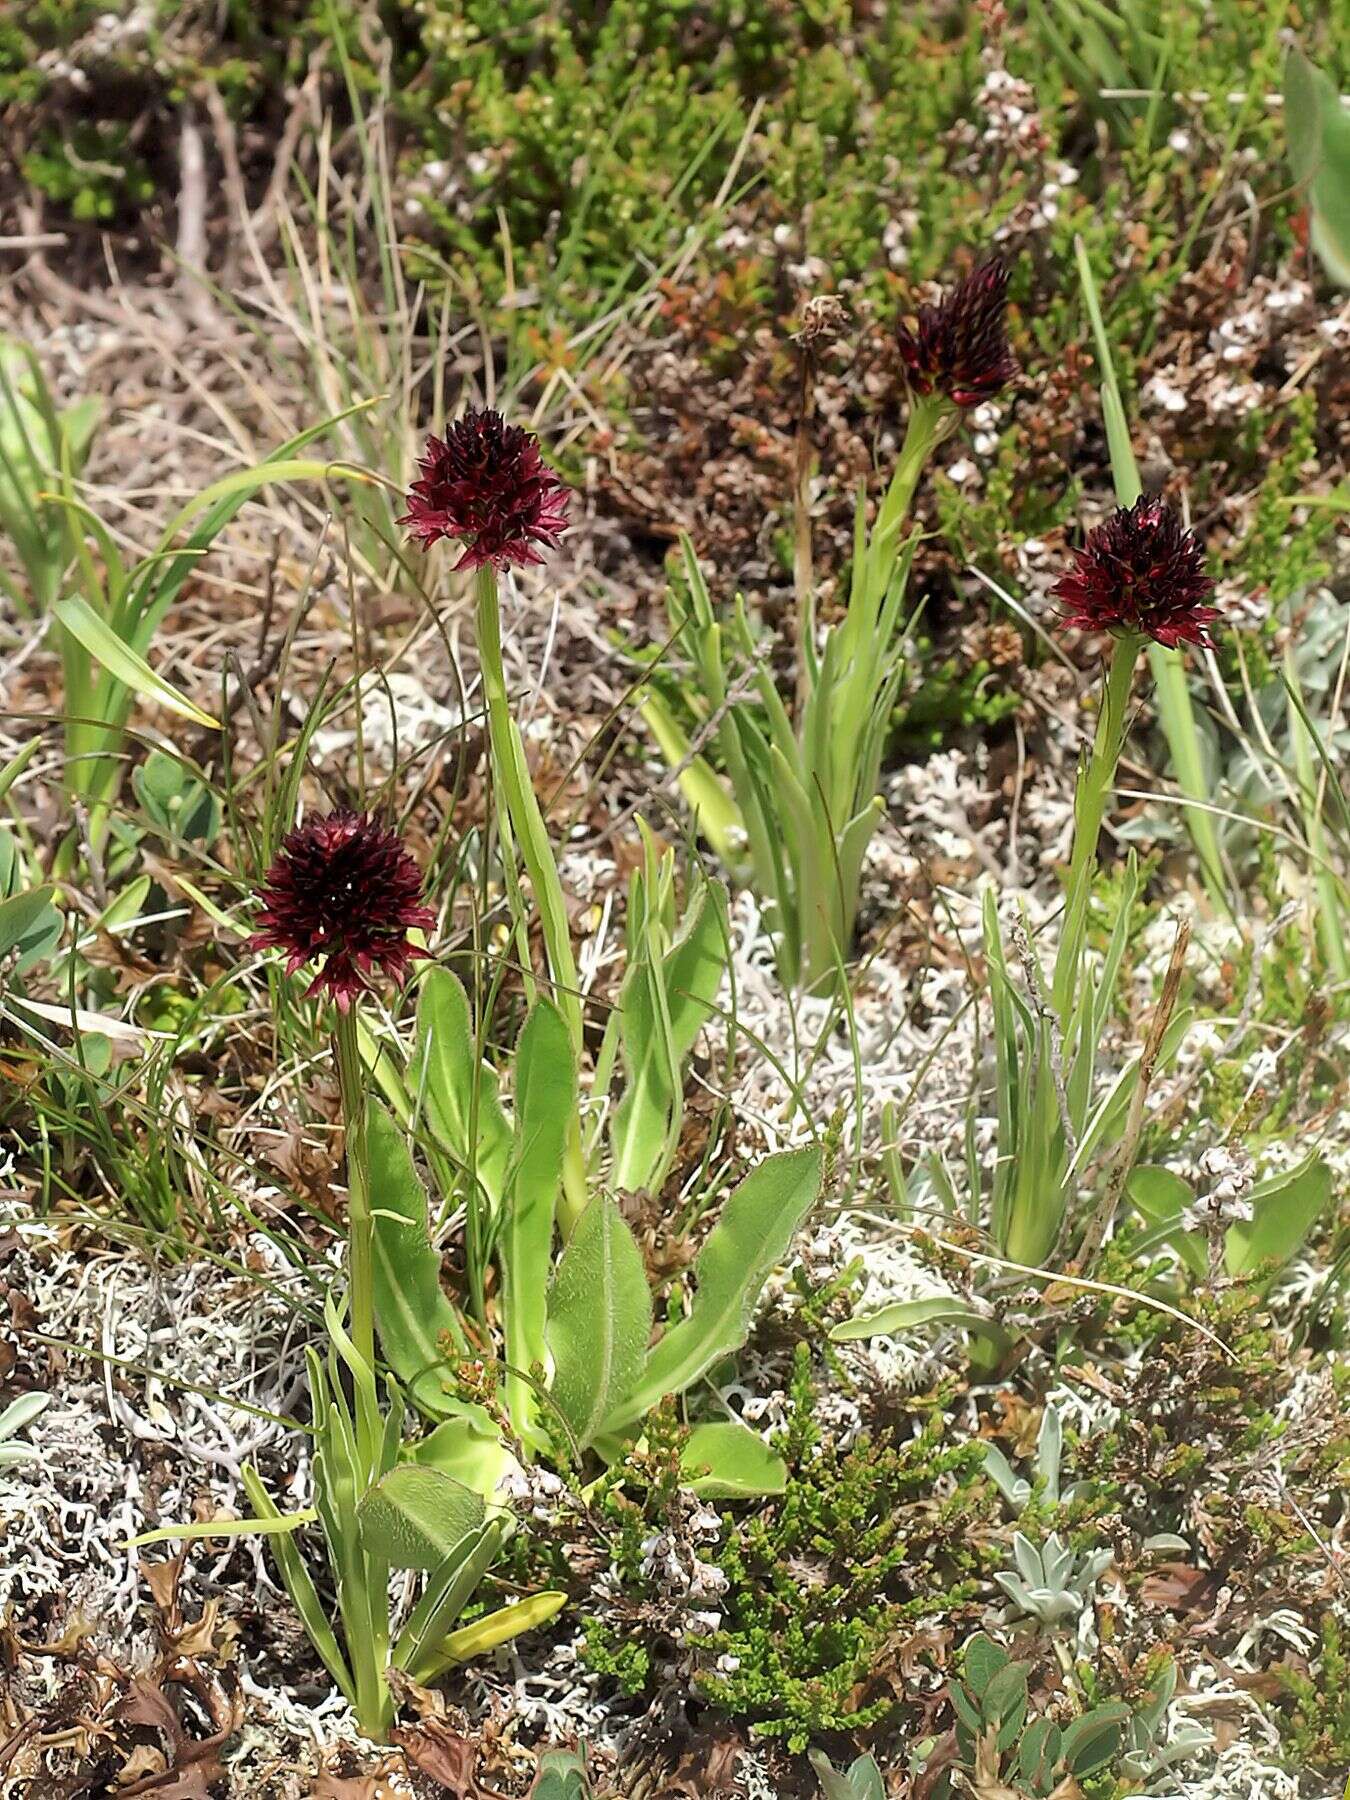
(599,1319)
(727,1461)
(1158,1193)
(446,1069)
(1304,89)
(30,927)
(908,1315)
(545,1109)
(77,617)
(1331,194)
(562,1776)
(757,1225)
(1286,1209)
(984,1660)
(469,1447)
(176,799)
(411,1311)
(1038,1753)
(1094,1739)
(862,1782)
(415,1517)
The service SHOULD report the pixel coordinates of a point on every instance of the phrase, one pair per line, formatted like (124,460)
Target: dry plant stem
(1094,788)
(527,824)
(1095,1235)
(803,570)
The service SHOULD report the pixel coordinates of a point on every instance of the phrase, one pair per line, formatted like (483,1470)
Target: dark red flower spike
(343,888)
(1142,570)
(959,348)
(486,487)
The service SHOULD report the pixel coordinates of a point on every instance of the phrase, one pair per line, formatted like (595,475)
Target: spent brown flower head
(343,888)
(486,487)
(959,348)
(1142,570)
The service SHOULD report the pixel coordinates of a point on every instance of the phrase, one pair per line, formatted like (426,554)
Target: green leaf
(599,1319)
(30,927)
(499,1627)
(1304,90)
(1004,1701)
(177,800)
(411,1311)
(757,1225)
(984,1659)
(909,1315)
(862,1782)
(1093,1740)
(1158,1193)
(469,1447)
(967,1712)
(415,1517)
(1286,1209)
(664,1002)
(728,1461)
(205,1529)
(446,1071)
(300,1586)
(546,1106)
(1331,193)
(76,616)
(562,1776)
(1038,1753)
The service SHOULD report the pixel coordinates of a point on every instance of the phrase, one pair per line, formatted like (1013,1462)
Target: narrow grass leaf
(127,665)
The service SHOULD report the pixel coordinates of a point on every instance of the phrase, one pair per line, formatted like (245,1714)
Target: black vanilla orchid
(958,349)
(1141,571)
(486,487)
(344,889)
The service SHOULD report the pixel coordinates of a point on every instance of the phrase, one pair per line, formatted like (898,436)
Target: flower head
(486,486)
(959,348)
(345,889)
(1141,570)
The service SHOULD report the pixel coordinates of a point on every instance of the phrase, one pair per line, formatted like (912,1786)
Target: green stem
(930,420)
(527,823)
(1095,782)
(360,1223)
